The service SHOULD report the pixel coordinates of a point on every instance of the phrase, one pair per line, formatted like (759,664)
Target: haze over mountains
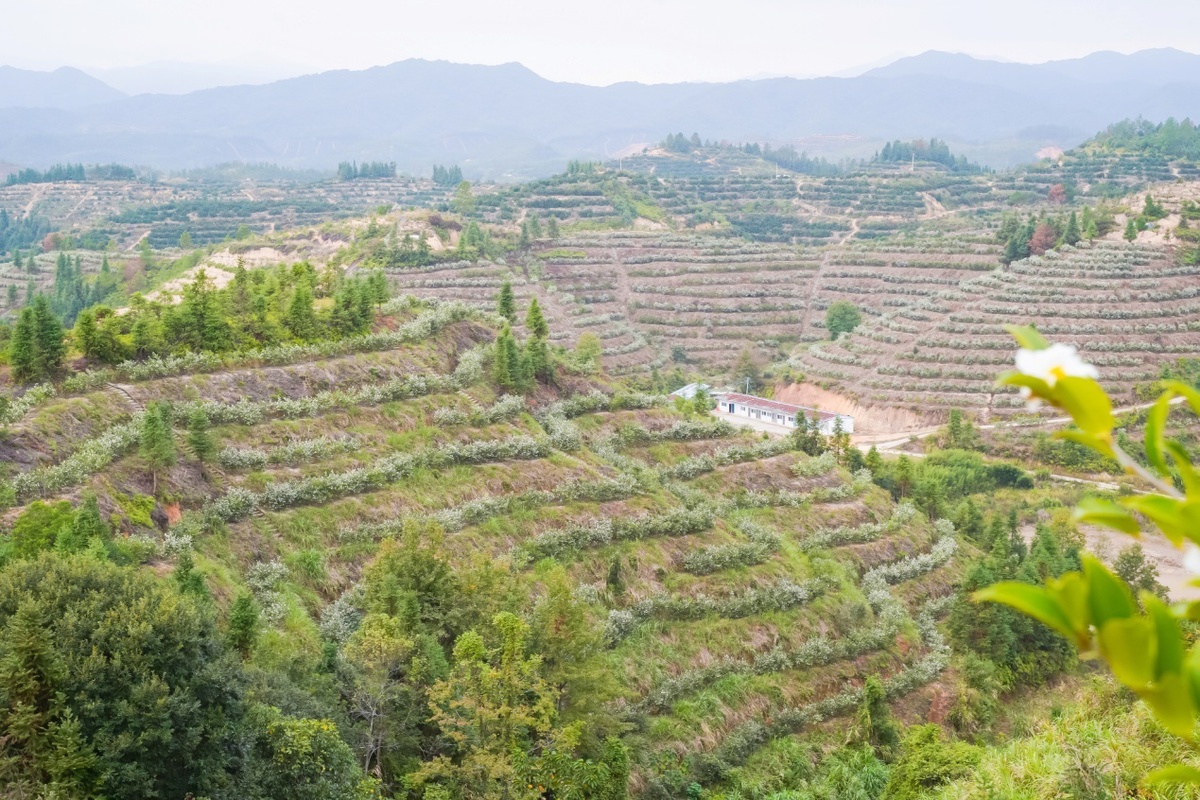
(506,122)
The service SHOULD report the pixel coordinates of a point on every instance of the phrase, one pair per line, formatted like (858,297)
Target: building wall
(825,426)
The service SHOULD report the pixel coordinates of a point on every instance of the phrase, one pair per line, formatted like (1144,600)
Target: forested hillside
(372,487)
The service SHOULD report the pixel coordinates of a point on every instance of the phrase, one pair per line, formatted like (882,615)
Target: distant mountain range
(505,122)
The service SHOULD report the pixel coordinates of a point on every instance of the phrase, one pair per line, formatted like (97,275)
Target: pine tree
(505,304)
(203,327)
(86,529)
(552,227)
(17,259)
(157,443)
(1088,223)
(501,367)
(21,348)
(300,321)
(535,322)
(1131,231)
(49,348)
(874,461)
(1072,234)
(86,338)
(199,439)
(12,295)
(146,334)
(243,624)
(377,283)
(538,356)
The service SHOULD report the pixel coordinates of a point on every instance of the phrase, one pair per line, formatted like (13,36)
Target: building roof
(774,405)
(689,391)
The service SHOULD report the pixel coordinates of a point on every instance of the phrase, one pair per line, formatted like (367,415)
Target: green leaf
(1170,650)
(1101,446)
(1176,773)
(1108,596)
(1128,647)
(1028,337)
(1037,386)
(1087,403)
(1187,392)
(1070,591)
(1171,701)
(1156,420)
(1164,512)
(1097,511)
(1034,601)
(1183,465)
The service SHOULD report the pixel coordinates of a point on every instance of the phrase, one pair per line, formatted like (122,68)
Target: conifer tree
(243,624)
(1072,234)
(377,283)
(12,295)
(1088,223)
(552,227)
(538,356)
(300,321)
(1131,231)
(86,528)
(874,461)
(49,349)
(86,338)
(199,438)
(157,443)
(535,322)
(21,348)
(146,334)
(505,304)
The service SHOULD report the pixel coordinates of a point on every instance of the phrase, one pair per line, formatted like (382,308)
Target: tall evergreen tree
(49,348)
(506,304)
(535,321)
(1131,230)
(157,443)
(300,321)
(199,439)
(1072,234)
(243,624)
(86,338)
(22,350)
(86,529)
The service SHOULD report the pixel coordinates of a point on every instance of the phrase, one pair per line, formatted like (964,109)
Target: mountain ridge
(506,122)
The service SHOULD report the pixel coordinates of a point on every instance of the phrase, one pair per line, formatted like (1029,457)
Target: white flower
(1191,559)
(1050,364)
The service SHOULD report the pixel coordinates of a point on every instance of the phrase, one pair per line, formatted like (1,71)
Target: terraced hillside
(127,211)
(741,592)
(1128,307)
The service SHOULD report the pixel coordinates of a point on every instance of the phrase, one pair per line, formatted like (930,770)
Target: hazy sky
(595,42)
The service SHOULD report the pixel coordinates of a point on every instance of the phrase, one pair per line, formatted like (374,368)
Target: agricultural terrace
(1128,307)
(745,590)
